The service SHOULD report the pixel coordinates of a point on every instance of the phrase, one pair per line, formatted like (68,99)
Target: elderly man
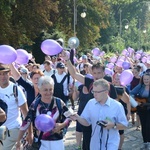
(15,104)
(106,117)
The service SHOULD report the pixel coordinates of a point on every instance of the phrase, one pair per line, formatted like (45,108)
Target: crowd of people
(104,107)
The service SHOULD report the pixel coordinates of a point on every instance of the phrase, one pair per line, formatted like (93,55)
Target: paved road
(133,139)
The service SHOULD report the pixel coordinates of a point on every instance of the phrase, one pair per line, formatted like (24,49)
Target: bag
(4,107)
(58,88)
(3,132)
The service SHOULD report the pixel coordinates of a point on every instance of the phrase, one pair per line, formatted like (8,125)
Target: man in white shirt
(48,69)
(15,104)
(103,108)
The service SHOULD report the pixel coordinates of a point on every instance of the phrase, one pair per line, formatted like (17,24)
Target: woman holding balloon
(46,117)
(142,94)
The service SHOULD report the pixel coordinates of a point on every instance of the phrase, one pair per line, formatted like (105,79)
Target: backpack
(15,92)
(58,88)
(4,107)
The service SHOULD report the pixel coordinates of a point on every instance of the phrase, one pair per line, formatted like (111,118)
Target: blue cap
(60,65)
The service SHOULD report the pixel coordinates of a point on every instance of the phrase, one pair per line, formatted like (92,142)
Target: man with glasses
(106,117)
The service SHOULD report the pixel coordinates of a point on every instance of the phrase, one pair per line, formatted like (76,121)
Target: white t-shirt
(13,115)
(59,78)
(50,73)
(80,67)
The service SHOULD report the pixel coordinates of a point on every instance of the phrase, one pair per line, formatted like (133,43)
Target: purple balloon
(119,63)
(113,59)
(110,65)
(124,52)
(75,59)
(102,53)
(126,77)
(137,56)
(130,50)
(22,57)
(144,59)
(122,57)
(44,123)
(108,72)
(51,47)
(96,51)
(7,54)
(126,65)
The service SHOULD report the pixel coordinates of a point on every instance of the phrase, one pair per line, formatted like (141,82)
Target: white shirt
(80,67)
(59,78)
(13,115)
(111,110)
(50,73)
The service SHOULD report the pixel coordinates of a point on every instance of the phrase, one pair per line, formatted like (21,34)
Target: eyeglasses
(97,91)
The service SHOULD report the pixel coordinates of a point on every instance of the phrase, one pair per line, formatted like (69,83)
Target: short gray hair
(45,80)
(103,83)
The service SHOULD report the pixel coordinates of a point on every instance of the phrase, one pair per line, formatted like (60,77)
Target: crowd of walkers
(104,106)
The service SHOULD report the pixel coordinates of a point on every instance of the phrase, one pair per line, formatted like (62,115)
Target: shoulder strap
(37,101)
(54,77)
(90,87)
(79,66)
(15,92)
(63,80)
(54,71)
(58,103)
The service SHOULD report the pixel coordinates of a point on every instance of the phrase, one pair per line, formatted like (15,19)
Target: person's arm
(26,125)
(2,115)
(72,69)
(75,94)
(15,73)
(135,90)
(126,99)
(81,120)
(74,73)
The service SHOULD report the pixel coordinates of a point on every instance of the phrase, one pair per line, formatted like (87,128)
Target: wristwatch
(115,125)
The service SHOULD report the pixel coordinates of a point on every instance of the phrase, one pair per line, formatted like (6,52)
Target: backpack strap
(58,103)
(37,101)
(63,80)
(15,92)
(90,87)
(54,71)
(54,77)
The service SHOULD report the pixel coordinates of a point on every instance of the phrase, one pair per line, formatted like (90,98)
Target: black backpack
(4,106)
(58,88)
